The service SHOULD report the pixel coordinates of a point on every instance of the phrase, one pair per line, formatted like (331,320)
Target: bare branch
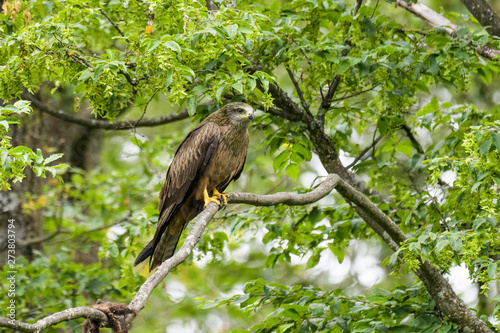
(326,102)
(102,124)
(357,6)
(485,15)
(438,20)
(439,289)
(56,318)
(139,302)
(428,15)
(211,6)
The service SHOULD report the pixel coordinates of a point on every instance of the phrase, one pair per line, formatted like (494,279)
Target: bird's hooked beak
(250,115)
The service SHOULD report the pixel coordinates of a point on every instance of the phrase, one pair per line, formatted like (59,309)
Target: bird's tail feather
(145,253)
(165,248)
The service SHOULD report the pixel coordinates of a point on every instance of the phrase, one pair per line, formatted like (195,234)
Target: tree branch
(211,6)
(103,124)
(439,289)
(138,303)
(356,94)
(436,285)
(419,148)
(112,23)
(363,152)
(437,20)
(485,15)
(299,91)
(56,318)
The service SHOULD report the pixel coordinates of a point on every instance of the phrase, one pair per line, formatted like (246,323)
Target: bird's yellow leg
(221,195)
(209,199)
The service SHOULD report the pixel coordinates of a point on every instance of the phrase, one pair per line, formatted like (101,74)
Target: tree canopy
(372,178)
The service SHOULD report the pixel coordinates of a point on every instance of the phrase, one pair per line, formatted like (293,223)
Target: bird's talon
(222,196)
(211,199)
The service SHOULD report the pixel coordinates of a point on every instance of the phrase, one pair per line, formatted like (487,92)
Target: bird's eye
(241,110)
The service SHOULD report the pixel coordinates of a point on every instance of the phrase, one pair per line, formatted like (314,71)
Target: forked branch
(138,303)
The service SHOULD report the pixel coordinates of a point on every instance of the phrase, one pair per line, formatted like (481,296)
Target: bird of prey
(208,159)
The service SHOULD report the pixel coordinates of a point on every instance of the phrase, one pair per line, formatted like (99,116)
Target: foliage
(15,159)
(426,95)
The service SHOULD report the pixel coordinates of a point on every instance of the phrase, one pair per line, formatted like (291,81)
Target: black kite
(208,159)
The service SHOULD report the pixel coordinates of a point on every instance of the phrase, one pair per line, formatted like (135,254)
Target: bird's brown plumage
(209,158)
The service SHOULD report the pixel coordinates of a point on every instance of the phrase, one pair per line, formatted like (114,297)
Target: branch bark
(438,20)
(439,289)
(56,318)
(139,302)
(485,15)
(436,285)
(103,124)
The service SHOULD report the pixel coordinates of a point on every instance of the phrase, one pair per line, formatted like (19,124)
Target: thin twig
(367,149)
(305,105)
(112,23)
(355,94)
(103,124)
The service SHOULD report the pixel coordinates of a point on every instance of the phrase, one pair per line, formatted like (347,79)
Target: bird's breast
(228,158)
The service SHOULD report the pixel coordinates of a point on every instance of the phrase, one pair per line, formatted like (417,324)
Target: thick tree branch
(103,124)
(56,318)
(428,15)
(211,6)
(138,303)
(439,289)
(485,15)
(437,20)
(436,285)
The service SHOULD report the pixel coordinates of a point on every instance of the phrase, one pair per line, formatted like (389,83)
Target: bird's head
(239,114)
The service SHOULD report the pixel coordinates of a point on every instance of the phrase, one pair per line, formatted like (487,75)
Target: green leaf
(279,161)
(238,87)
(492,270)
(317,309)
(496,140)
(484,147)
(292,170)
(441,245)
(52,158)
(220,90)
(232,30)
(337,251)
(302,151)
(405,147)
(191,106)
(199,89)
(85,75)
(433,106)
(5,124)
(171,45)
(21,150)
(343,67)
(433,65)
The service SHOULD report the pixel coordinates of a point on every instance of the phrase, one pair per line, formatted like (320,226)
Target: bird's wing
(190,162)
(239,164)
